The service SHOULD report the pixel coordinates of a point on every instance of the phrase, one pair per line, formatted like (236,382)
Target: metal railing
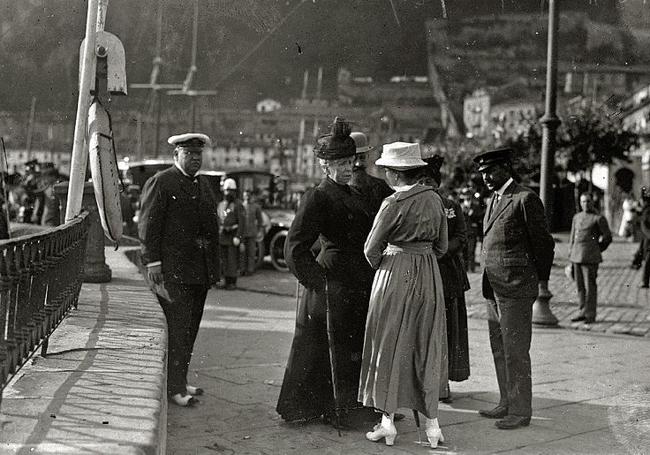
(40,280)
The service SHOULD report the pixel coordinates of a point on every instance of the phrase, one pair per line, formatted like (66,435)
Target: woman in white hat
(405,349)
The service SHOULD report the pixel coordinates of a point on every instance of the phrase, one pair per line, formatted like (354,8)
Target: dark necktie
(493,204)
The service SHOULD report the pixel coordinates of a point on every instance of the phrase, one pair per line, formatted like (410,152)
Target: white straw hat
(401,155)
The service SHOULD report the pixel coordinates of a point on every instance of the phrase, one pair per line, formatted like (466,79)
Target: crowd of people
(29,197)
(382,323)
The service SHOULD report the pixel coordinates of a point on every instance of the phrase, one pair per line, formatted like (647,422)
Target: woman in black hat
(322,374)
(454,279)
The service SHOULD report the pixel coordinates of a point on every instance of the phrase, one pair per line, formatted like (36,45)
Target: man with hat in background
(373,189)
(517,253)
(232,222)
(179,231)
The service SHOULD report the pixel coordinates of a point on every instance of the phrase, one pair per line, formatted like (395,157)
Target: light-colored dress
(405,348)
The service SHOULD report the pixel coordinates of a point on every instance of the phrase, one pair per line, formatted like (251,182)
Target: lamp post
(542,314)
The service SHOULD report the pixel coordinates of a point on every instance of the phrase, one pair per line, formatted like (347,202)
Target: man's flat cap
(190,140)
(490,158)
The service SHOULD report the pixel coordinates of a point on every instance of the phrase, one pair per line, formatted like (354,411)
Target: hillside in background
(40,42)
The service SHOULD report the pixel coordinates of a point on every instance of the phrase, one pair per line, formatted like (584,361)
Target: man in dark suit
(373,189)
(179,230)
(517,253)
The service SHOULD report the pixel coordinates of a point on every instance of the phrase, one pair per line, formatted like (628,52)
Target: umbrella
(332,353)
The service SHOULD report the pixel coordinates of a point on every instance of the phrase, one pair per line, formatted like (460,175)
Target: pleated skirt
(405,347)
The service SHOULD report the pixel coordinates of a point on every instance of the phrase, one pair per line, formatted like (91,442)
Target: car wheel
(259,254)
(276,250)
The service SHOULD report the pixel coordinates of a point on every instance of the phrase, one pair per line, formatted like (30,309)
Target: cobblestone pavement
(623,307)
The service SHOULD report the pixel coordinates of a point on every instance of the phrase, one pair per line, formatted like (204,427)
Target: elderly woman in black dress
(325,355)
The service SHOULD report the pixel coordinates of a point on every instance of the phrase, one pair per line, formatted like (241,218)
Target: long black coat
(180,227)
(455,283)
(338,216)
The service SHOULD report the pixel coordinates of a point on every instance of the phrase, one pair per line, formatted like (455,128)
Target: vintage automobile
(271,193)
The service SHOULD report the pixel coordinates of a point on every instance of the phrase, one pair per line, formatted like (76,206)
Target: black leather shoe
(511,422)
(644,286)
(590,320)
(578,319)
(497,413)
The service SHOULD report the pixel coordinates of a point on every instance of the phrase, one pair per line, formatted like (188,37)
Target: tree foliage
(591,135)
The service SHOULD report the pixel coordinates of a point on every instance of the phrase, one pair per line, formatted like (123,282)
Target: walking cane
(332,353)
(297,295)
(417,424)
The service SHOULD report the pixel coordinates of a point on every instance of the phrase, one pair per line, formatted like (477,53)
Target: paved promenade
(102,387)
(591,391)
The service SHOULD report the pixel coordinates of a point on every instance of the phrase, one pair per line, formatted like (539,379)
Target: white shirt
(502,190)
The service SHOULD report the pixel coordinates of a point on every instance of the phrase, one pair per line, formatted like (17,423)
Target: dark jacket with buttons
(590,235)
(517,247)
(180,227)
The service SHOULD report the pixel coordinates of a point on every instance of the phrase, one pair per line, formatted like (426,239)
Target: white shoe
(433,432)
(195,391)
(183,400)
(385,430)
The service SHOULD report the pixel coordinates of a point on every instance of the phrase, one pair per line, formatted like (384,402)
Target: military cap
(338,144)
(491,158)
(361,142)
(190,140)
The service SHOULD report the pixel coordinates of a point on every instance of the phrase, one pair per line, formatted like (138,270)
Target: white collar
(183,171)
(399,189)
(502,190)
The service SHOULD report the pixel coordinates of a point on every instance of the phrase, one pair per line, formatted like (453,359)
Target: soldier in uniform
(590,235)
(179,230)
(373,189)
(338,278)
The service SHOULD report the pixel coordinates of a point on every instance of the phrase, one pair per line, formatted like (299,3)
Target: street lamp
(542,314)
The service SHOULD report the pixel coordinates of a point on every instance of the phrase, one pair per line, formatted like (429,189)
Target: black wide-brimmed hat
(338,144)
(486,160)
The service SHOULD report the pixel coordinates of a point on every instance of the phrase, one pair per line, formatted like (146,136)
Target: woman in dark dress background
(335,215)
(454,279)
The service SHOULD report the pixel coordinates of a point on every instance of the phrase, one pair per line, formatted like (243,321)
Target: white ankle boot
(386,429)
(433,432)
(183,400)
